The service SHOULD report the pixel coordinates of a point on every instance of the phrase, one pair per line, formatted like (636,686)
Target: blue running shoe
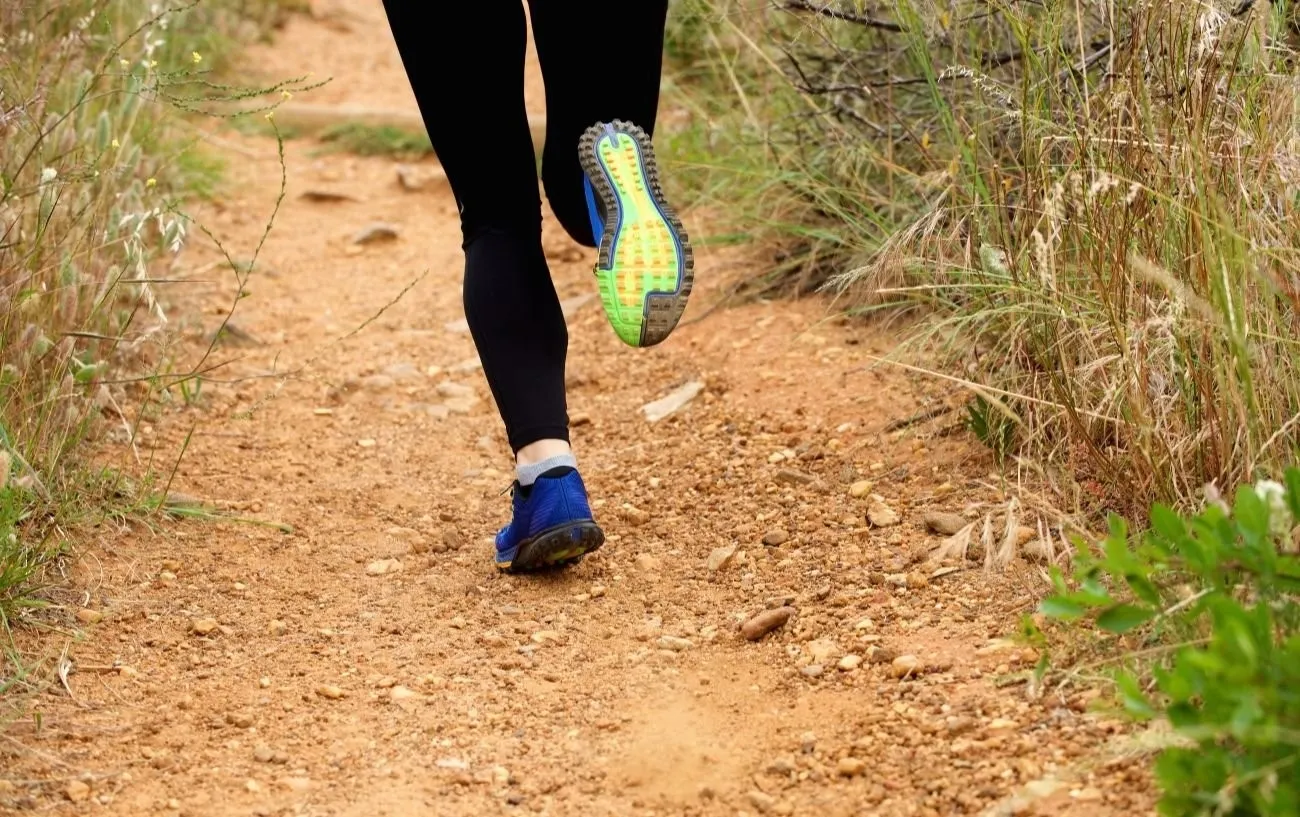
(552,525)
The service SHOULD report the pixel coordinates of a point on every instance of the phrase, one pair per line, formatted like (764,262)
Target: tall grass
(92,169)
(1089,209)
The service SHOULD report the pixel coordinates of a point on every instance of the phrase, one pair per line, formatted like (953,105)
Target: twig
(848,17)
(919,417)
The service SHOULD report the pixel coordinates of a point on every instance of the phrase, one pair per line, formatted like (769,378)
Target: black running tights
(465,61)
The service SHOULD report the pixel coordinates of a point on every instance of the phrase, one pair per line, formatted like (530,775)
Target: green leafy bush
(1221,590)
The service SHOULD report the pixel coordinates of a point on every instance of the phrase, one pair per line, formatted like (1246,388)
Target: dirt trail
(371,662)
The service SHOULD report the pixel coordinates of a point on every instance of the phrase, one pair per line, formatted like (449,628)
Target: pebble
(76,791)
(263,753)
(945,524)
(850,662)
(790,477)
(460,405)
(378,231)
(823,650)
(763,802)
(239,720)
(765,622)
(905,665)
(880,655)
(383,566)
(812,670)
(647,562)
(721,557)
(278,627)
(88,616)
(776,538)
(851,766)
(881,515)
(450,389)
(861,488)
(203,626)
(672,402)
(672,642)
(330,692)
(402,693)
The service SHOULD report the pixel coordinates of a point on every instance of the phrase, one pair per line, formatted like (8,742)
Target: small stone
(263,754)
(672,402)
(450,389)
(297,784)
(401,693)
(721,557)
(578,419)
(597,591)
(239,720)
(765,622)
(823,650)
(330,692)
(905,665)
(881,515)
(371,233)
(453,763)
(880,655)
(634,515)
(203,626)
(277,627)
(88,616)
(76,791)
(861,488)
(382,567)
(762,802)
(672,642)
(367,442)
(776,538)
(849,663)
(547,637)
(1024,534)
(851,767)
(944,524)
(791,477)
(647,562)
(812,671)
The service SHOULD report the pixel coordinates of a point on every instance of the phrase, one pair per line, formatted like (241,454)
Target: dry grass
(1089,209)
(93,176)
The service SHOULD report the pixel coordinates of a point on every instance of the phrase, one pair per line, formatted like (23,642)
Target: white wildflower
(1279,512)
(48,175)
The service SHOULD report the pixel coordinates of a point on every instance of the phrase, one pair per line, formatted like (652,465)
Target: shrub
(1092,207)
(1214,598)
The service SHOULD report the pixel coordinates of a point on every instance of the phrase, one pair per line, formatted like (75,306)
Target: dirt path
(371,662)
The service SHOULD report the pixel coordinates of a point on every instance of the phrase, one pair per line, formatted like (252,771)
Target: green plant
(1215,599)
(368,140)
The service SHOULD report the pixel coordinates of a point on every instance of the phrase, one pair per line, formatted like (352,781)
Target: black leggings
(600,61)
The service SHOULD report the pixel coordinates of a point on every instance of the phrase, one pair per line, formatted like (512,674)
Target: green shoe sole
(644,265)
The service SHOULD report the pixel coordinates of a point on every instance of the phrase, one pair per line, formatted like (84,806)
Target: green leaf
(1168,524)
(1130,695)
(1293,491)
(1061,607)
(1143,588)
(1124,617)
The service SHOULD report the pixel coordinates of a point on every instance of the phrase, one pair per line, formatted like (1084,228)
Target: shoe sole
(645,266)
(557,547)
